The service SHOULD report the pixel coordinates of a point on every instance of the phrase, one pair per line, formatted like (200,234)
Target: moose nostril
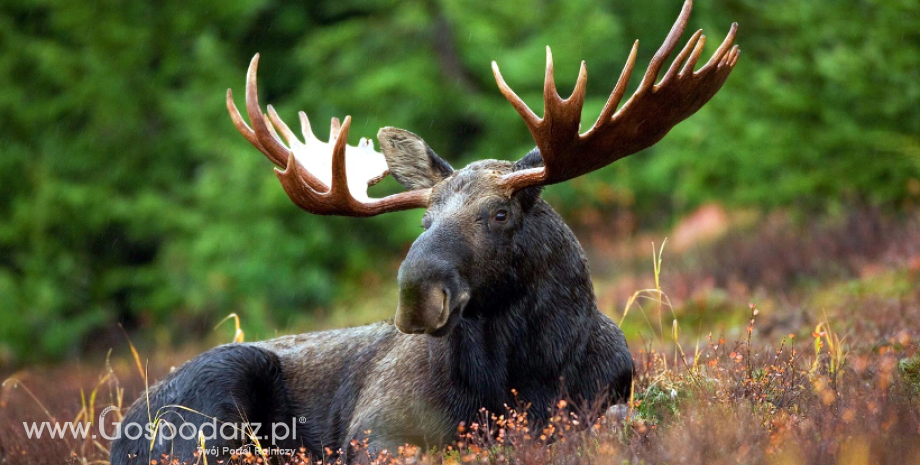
(423,309)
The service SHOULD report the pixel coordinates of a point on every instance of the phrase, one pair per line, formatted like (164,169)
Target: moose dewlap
(496,305)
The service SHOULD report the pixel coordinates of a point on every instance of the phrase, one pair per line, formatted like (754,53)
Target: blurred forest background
(126,195)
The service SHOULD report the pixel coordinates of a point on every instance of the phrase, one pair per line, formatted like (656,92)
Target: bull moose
(495,295)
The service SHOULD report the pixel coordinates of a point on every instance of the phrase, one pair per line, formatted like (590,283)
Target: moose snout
(431,295)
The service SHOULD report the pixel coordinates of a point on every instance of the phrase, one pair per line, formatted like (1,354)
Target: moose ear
(532,160)
(411,160)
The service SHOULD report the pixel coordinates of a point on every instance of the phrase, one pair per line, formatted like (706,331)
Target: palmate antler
(316,175)
(645,118)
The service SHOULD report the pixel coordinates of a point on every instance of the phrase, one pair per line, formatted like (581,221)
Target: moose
(496,305)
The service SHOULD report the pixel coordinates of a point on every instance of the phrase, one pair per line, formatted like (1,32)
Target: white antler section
(364,165)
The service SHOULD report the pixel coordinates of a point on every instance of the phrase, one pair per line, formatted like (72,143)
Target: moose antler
(317,176)
(642,121)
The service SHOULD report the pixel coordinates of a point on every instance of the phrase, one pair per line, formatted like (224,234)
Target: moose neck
(524,333)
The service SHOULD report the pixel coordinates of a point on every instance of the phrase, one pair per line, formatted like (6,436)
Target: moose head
(481,219)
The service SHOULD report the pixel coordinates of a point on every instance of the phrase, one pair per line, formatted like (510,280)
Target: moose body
(496,306)
(537,332)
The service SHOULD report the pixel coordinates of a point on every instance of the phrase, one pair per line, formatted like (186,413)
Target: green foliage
(127,195)
(656,403)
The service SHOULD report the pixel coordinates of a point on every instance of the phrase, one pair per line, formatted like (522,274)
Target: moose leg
(216,398)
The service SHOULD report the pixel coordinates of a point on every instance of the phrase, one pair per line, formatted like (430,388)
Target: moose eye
(501,215)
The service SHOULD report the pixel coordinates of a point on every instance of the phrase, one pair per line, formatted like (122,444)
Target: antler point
(496,73)
(549,83)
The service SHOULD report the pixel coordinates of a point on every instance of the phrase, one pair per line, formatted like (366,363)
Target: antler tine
(305,127)
(581,85)
(690,65)
(530,118)
(241,125)
(281,126)
(339,175)
(272,131)
(550,93)
(274,149)
(619,90)
(670,43)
